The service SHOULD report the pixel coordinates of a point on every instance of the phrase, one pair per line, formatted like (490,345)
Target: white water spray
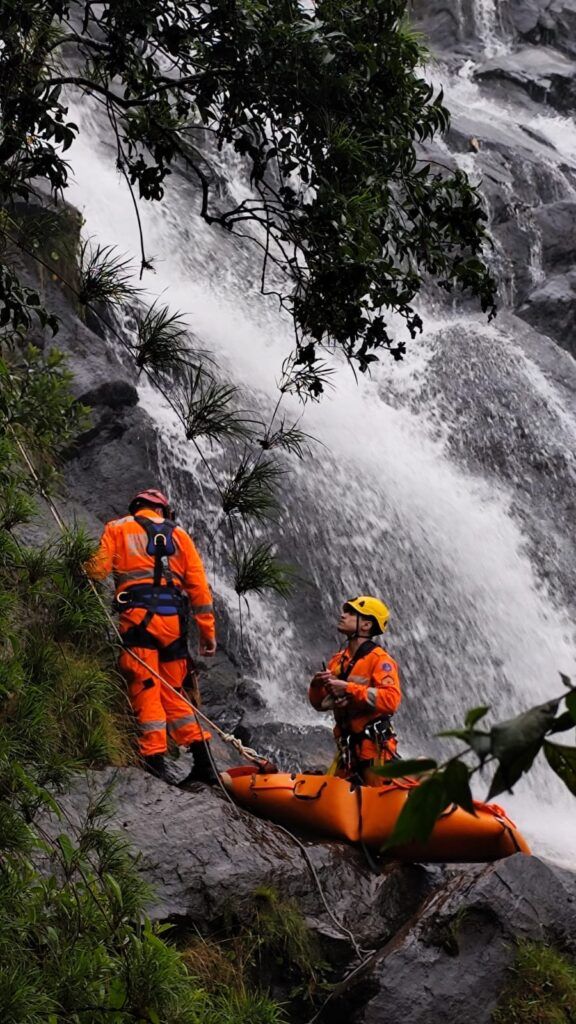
(382,506)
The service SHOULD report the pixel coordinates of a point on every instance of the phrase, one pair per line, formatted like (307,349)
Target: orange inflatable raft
(330,807)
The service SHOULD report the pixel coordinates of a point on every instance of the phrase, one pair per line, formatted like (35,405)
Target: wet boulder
(548,22)
(551,308)
(446,24)
(203,856)
(450,963)
(545,74)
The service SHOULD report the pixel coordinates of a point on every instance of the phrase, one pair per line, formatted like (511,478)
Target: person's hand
(207,648)
(336,688)
(321,677)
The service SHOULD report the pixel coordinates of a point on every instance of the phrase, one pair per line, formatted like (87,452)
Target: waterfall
(488,27)
(404,496)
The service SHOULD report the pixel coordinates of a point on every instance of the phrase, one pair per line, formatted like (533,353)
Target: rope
(225,736)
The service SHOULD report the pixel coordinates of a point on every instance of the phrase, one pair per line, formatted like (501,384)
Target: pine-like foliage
(207,409)
(256,569)
(249,491)
(105,276)
(162,339)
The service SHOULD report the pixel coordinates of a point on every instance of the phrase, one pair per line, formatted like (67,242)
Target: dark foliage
(327,105)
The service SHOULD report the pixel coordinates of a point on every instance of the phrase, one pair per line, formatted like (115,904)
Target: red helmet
(149,497)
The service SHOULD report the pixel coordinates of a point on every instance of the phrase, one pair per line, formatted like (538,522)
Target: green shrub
(75,944)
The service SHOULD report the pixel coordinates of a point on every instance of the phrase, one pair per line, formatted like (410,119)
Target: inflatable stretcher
(330,807)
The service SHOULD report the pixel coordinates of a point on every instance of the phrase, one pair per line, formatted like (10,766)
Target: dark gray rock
(557,223)
(290,747)
(545,74)
(446,24)
(546,22)
(114,393)
(551,309)
(451,963)
(203,855)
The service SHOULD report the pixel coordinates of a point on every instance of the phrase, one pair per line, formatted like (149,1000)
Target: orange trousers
(159,712)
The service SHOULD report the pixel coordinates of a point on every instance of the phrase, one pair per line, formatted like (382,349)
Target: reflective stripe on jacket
(122,551)
(373,685)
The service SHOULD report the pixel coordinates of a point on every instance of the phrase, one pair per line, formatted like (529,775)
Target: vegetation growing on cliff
(75,944)
(325,102)
(541,990)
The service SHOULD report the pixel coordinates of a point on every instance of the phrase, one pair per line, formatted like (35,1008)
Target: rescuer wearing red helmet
(159,579)
(361,686)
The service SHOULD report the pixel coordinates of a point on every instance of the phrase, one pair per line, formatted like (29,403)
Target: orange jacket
(122,551)
(373,685)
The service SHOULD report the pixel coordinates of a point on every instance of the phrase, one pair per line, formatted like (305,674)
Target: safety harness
(379,730)
(161,597)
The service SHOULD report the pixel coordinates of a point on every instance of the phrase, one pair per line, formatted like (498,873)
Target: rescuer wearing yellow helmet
(361,685)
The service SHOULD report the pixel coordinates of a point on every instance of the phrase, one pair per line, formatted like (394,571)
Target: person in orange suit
(159,580)
(361,685)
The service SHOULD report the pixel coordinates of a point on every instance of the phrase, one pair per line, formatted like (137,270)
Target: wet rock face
(454,958)
(446,24)
(552,309)
(546,75)
(204,856)
(548,22)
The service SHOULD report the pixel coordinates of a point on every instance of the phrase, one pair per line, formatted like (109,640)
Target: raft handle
(304,796)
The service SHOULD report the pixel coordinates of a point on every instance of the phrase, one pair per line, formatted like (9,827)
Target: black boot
(158,766)
(202,770)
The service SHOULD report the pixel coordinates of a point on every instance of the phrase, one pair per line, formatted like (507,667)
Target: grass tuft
(542,988)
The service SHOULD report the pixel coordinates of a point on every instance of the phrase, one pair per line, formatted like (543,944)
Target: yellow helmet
(371,608)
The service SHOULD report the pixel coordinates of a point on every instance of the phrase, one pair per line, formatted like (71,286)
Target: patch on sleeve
(386,666)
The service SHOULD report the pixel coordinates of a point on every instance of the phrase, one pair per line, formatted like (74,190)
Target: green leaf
(510,770)
(510,738)
(114,886)
(457,782)
(562,723)
(570,700)
(117,993)
(480,742)
(420,812)
(562,760)
(475,714)
(153,1016)
(67,850)
(399,769)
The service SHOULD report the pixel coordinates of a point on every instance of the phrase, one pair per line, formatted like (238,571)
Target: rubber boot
(202,770)
(157,765)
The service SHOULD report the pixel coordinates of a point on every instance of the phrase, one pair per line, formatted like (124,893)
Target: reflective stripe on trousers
(158,710)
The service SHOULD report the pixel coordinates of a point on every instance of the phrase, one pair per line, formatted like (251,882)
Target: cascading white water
(488,27)
(382,505)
